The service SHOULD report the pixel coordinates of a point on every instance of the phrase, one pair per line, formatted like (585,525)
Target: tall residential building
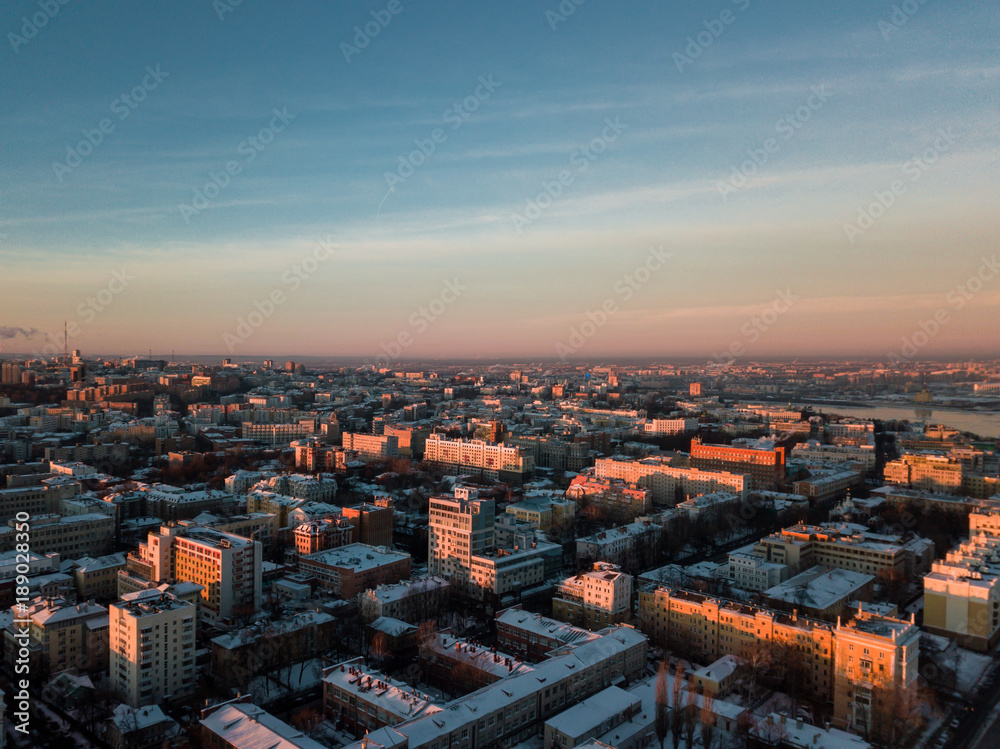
(764,462)
(227,566)
(152,644)
(667,483)
(962,591)
(459,528)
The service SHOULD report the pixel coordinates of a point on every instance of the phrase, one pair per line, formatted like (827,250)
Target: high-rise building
(227,566)
(152,644)
(459,528)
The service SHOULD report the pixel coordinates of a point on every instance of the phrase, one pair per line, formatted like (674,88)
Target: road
(969,733)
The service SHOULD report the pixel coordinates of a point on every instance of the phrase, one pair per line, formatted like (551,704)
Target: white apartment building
(755,574)
(476,457)
(670,426)
(152,645)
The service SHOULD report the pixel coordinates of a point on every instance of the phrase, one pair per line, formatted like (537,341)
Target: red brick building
(765,466)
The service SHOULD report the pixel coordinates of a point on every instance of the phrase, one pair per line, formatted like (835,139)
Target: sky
(585,179)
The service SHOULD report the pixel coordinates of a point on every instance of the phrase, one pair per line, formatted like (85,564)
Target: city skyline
(517,181)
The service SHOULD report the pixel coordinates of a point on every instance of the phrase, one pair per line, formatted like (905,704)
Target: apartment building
(90,534)
(754,574)
(374,521)
(459,665)
(61,635)
(410,439)
(544,511)
(594,599)
(97,579)
(319,535)
(35,500)
(349,570)
(826,487)
(532,636)
(239,724)
(813,451)
(245,652)
(412,601)
(962,591)
(498,462)
(873,656)
(764,462)
(364,700)
(670,484)
(458,528)
(372,447)
(515,708)
(552,452)
(279,434)
(627,546)
(826,657)
(227,566)
(611,498)
(930,472)
(496,573)
(152,645)
(668,427)
(848,546)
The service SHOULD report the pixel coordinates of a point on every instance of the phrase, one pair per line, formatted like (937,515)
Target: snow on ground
(971,667)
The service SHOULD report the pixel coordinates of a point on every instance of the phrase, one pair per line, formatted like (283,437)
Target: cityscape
(560,375)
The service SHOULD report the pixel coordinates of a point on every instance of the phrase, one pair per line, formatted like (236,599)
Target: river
(983,423)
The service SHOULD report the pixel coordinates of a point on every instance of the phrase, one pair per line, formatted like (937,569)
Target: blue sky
(887,94)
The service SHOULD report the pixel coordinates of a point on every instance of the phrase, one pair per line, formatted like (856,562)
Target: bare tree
(662,702)
(677,716)
(707,719)
(690,713)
